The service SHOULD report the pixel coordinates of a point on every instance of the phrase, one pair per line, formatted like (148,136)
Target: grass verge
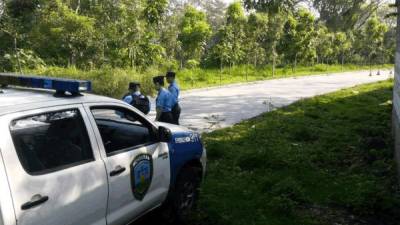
(113,82)
(199,78)
(325,160)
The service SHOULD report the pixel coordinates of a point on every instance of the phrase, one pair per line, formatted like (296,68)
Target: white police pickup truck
(68,158)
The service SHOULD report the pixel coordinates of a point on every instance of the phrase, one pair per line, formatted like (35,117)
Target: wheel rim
(187,197)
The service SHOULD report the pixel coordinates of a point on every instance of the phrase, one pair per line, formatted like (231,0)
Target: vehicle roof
(15,99)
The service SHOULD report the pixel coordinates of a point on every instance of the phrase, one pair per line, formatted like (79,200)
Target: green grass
(199,78)
(113,82)
(325,160)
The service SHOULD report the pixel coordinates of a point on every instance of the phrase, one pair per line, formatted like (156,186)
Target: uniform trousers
(166,117)
(176,113)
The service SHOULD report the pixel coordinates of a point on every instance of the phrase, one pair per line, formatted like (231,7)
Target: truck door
(137,163)
(54,168)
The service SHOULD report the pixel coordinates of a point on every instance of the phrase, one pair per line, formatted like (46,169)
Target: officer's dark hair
(133,85)
(171,74)
(158,80)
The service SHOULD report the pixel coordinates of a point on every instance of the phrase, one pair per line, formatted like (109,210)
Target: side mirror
(164,134)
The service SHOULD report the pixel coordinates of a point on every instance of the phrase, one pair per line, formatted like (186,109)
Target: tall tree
(169,39)
(2,5)
(194,32)
(16,21)
(271,6)
(214,10)
(277,11)
(297,42)
(154,11)
(233,32)
(62,36)
(341,46)
(374,34)
(256,38)
(345,15)
(323,43)
(230,47)
(275,26)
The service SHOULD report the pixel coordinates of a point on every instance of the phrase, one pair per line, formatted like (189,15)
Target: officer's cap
(133,85)
(171,74)
(158,79)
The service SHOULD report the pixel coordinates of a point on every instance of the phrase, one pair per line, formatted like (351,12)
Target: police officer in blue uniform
(164,101)
(135,98)
(173,88)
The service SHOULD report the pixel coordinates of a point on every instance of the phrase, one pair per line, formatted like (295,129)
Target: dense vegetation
(161,34)
(325,160)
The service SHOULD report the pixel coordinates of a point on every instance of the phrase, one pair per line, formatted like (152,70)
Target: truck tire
(183,199)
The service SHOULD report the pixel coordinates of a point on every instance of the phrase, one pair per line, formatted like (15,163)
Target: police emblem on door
(141,175)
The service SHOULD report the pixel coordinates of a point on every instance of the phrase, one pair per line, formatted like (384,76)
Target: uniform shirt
(164,100)
(128,98)
(173,88)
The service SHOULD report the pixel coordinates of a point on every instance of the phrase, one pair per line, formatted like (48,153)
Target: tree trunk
(131,57)
(78,6)
(273,59)
(220,78)
(17,54)
(220,71)
(342,61)
(370,65)
(247,71)
(181,66)
(255,61)
(191,78)
(326,64)
(103,57)
(273,66)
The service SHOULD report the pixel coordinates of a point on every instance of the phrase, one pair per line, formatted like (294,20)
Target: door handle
(163,155)
(35,201)
(118,170)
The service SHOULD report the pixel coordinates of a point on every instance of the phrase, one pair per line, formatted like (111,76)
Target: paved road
(213,108)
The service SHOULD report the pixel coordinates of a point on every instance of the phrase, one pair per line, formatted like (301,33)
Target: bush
(106,81)
(320,68)
(24,59)
(192,63)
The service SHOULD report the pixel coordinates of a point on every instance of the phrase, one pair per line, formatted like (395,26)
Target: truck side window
(51,141)
(122,129)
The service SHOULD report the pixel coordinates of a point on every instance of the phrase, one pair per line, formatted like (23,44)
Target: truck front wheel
(184,196)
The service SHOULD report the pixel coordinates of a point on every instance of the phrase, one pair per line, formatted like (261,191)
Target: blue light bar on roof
(58,84)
